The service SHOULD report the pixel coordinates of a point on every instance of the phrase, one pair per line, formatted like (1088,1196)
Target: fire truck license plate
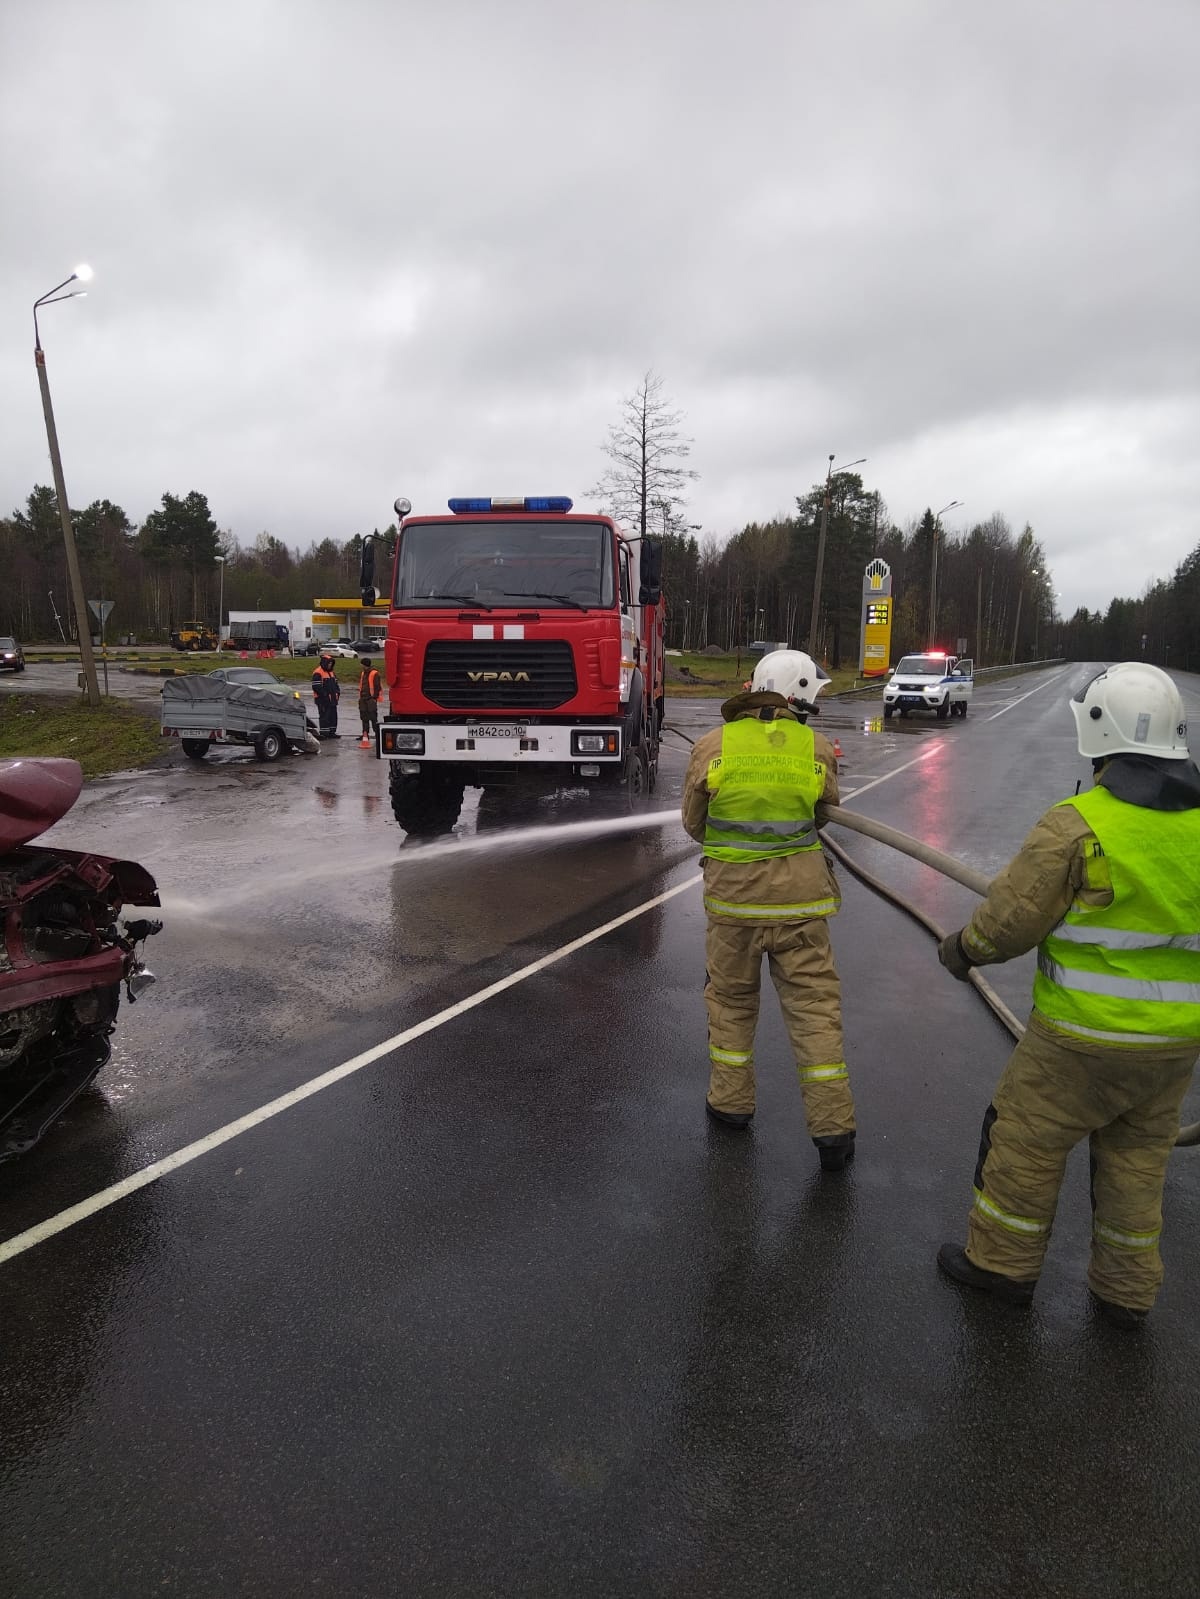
(496,730)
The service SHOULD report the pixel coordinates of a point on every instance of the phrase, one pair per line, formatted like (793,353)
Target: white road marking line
(1037,690)
(182,1157)
(887,776)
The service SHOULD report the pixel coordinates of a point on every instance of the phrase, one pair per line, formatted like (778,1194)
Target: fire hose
(949,866)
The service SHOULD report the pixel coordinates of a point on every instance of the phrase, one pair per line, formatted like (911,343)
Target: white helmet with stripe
(1131,709)
(791,673)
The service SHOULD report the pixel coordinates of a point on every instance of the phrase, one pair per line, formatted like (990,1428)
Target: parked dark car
(257,675)
(12,657)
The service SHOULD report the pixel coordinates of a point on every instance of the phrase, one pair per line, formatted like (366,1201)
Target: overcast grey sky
(350,250)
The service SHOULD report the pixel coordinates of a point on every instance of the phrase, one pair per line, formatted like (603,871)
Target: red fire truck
(524,652)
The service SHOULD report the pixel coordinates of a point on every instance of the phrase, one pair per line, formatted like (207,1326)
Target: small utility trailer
(202,711)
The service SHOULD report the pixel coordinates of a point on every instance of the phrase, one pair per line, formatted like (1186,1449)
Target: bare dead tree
(646,450)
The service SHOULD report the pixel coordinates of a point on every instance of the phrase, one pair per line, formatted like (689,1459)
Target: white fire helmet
(791,673)
(1131,709)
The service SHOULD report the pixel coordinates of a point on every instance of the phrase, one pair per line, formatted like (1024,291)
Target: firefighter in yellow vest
(750,799)
(1107,886)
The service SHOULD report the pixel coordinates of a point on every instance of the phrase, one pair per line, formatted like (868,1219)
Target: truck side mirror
(366,573)
(650,573)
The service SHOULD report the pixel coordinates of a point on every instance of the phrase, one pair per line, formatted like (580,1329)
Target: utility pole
(79,604)
(937,528)
(830,474)
(1017,625)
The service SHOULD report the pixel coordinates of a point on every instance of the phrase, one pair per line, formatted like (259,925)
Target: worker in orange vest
(370,690)
(326,691)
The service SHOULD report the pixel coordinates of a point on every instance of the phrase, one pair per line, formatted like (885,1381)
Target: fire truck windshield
(489,562)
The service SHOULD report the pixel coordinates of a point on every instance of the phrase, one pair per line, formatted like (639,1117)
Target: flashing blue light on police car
(554,503)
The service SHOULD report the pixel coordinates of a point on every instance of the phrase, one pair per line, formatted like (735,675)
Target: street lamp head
(220,560)
(83,273)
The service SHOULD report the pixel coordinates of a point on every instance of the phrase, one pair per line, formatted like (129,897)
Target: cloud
(344,253)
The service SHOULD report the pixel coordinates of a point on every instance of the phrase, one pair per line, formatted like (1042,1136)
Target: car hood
(34,794)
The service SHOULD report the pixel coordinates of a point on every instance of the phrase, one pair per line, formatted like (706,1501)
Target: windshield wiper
(460,599)
(539,594)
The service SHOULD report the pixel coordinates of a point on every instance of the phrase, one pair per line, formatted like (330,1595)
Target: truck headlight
(594,744)
(404,740)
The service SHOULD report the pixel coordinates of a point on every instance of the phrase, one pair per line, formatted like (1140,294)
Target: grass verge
(723,675)
(115,738)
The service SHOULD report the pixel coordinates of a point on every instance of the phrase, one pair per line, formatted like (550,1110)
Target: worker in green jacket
(1107,886)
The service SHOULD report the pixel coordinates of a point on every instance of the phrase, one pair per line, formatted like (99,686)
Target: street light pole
(221,602)
(816,604)
(937,524)
(80,275)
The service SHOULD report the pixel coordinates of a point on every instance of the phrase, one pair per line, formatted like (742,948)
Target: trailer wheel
(195,748)
(269,746)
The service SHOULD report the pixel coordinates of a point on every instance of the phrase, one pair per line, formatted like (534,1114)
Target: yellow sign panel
(877,638)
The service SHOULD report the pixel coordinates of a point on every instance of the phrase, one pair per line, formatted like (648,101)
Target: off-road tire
(427,804)
(943,710)
(887,712)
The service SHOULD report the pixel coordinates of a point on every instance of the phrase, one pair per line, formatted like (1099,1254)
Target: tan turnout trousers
(806,980)
(1052,1095)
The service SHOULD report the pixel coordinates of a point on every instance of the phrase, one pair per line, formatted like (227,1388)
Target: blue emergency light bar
(553,503)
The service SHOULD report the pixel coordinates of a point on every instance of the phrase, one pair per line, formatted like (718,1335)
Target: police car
(934,682)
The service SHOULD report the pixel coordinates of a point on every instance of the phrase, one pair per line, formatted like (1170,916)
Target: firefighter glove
(953,957)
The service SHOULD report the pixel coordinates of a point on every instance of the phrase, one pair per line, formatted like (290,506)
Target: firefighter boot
(835,1151)
(729,1118)
(952,1258)
(1122,1316)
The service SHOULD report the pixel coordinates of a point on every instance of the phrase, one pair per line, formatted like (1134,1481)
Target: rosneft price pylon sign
(875,647)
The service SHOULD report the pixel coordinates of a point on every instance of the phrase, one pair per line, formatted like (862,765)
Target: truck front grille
(524,674)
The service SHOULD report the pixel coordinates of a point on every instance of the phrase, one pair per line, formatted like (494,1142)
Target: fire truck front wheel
(427,803)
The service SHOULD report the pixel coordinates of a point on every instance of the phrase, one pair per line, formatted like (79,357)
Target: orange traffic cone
(837,746)
(364,743)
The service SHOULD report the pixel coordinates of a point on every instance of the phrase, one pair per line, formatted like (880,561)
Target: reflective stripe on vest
(764,787)
(1129,972)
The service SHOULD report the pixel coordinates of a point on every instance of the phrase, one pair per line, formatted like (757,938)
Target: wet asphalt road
(502,1313)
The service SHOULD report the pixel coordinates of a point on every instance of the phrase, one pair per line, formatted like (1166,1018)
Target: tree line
(994,594)
(986,591)
(166,571)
